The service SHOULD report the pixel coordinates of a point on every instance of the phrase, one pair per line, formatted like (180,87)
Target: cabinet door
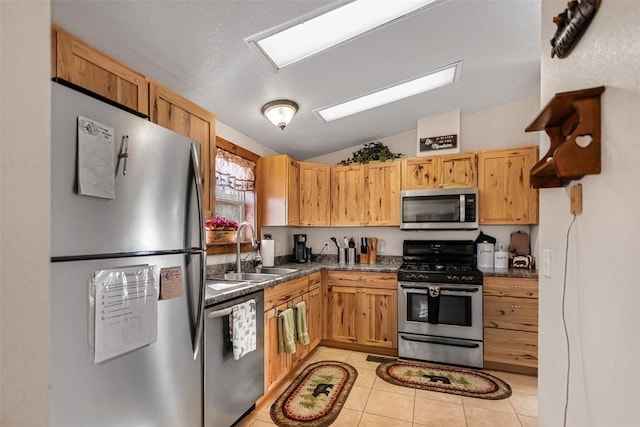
(276,365)
(314,194)
(457,170)
(88,68)
(511,348)
(382,194)
(314,316)
(278,191)
(420,173)
(519,314)
(505,193)
(379,326)
(186,118)
(347,195)
(343,313)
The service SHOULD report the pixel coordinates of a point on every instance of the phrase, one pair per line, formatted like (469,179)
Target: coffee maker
(299,248)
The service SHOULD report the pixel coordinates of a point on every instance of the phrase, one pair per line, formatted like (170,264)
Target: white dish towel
(242,328)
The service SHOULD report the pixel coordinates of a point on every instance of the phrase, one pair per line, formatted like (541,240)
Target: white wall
(24,215)
(602,286)
(498,127)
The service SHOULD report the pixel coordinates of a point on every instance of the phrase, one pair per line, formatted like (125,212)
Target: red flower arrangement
(220,223)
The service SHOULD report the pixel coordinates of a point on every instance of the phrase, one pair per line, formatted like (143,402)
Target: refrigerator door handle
(197,338)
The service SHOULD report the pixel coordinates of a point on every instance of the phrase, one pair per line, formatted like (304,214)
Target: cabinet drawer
(510,287)
(511,347)
(511,313)
(363,279)
(280,294)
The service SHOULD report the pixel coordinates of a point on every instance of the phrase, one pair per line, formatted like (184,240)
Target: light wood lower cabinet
(278,298)
(511,324)
(362,309)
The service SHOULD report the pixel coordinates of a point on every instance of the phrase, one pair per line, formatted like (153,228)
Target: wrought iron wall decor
(572,23)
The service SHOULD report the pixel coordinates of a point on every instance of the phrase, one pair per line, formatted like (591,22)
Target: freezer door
(155,208)
(160,385)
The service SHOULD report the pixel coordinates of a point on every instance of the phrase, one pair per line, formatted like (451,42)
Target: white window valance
(234,171)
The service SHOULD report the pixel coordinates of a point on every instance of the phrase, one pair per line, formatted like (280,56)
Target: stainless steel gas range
(440,303)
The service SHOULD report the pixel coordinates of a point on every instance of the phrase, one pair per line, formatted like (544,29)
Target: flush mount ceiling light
(322,29)
(280,112)
(433,80)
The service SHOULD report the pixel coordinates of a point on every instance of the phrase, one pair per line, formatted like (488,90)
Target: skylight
(433,80)
(314,33)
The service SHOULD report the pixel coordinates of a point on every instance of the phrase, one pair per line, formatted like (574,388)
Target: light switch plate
(546,262)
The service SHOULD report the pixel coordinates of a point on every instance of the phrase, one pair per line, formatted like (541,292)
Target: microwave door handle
(462,208)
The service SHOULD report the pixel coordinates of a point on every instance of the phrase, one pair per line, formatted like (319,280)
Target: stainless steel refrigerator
(154,218)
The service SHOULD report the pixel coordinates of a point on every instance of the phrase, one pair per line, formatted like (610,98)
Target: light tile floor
(373,402)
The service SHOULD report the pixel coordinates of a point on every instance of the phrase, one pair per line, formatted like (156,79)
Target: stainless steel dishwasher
(231,387)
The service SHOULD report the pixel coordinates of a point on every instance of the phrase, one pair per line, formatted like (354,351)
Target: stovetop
(448,261)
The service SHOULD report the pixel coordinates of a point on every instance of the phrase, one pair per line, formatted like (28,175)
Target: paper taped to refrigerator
(96,163)
(124,310)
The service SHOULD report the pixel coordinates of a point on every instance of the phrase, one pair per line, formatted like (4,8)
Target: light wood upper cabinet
(170,110)
(382,193)
(505,193)
(458,170)
(81,65)
(420,173)
(278,191)
(314,194)
(445,171)
(365,194)
(347,195)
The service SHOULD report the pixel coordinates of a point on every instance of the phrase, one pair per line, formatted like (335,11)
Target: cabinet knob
(515,339)
(514,285)
(515,306)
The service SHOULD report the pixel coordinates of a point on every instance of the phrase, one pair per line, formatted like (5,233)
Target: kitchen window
(235,186)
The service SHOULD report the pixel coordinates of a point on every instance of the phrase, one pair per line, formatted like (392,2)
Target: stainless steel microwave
(440,209)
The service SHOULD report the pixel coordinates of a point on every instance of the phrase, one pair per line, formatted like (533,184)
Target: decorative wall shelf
(572,121)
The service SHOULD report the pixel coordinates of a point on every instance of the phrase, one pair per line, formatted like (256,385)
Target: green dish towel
(286,332)
(301,322)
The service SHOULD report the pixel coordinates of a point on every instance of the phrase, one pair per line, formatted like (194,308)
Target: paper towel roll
(267,250)
(485,255)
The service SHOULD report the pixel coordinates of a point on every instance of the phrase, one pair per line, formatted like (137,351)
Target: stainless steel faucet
(253,243)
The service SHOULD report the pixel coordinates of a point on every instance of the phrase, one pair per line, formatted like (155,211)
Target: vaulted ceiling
(198,49)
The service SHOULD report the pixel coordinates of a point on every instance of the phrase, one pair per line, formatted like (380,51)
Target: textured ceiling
(197,48)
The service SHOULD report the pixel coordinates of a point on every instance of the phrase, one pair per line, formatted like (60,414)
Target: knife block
(364,258)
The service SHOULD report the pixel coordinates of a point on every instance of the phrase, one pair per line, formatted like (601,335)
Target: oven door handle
(452,343)
(425,290)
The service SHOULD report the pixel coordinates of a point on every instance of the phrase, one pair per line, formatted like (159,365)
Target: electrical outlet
(278,248)
(546,262)
(380,246)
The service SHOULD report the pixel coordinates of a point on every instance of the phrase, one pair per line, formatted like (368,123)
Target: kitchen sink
(276,270)
(247,277)
(217,285)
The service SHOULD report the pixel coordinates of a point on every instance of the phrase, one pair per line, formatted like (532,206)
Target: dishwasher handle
(220,313)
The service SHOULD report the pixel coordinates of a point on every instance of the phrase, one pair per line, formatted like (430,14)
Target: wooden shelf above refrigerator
(572,121)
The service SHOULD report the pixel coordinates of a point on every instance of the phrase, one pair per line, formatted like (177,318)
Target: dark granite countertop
(520,273)
(229,292)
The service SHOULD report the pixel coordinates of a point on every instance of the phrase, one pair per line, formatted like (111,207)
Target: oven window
(431,209)
(452,310)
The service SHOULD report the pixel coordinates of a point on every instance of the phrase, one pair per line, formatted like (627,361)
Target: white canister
(501,259)
(485,255)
